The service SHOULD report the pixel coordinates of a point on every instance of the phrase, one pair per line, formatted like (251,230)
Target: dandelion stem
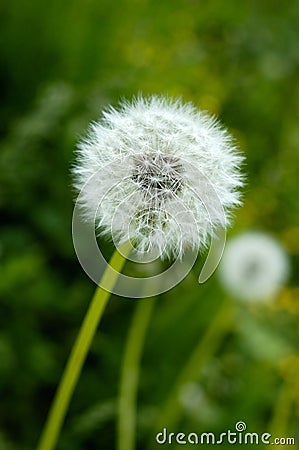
(79,351)
(130,374)
(282,412)
(171,411)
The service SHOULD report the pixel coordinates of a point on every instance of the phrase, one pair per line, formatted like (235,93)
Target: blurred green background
(61,63)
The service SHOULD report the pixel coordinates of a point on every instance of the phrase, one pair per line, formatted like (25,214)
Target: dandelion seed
(154,163)
(254,266)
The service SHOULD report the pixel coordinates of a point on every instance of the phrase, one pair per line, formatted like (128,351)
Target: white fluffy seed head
(158,172)
(254,266)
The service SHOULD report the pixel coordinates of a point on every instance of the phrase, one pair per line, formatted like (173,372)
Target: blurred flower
(197,404)
(254,266)
(160,173)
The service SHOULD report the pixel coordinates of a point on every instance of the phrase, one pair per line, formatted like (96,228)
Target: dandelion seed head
(152,167)
(157,175)
(254,266)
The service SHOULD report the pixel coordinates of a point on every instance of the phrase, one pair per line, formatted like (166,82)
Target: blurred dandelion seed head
(254,266)
(156,164)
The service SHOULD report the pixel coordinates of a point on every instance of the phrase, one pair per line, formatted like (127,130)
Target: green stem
(171,411)
(79,351)
(282,412)
(130,374)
